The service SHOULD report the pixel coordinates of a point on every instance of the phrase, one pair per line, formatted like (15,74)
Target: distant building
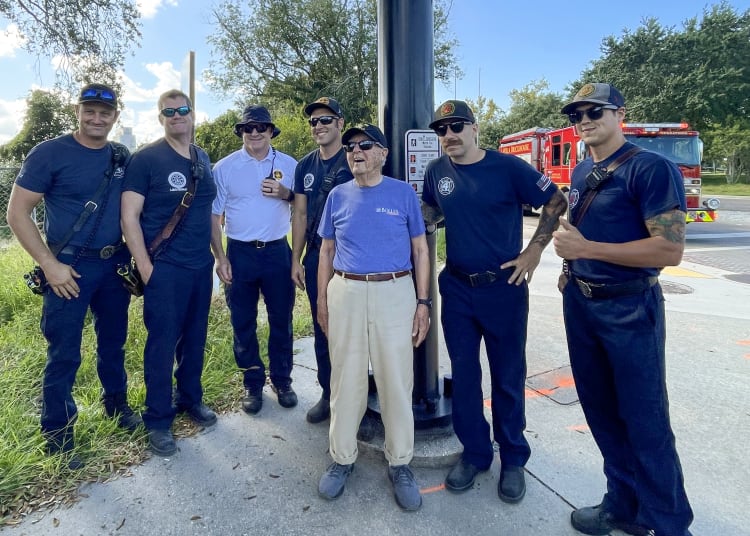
(126,137)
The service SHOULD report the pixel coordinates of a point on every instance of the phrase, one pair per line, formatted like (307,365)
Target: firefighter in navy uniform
(627,221)
(484,288)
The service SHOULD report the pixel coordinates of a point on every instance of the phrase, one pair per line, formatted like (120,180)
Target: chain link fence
(7,176)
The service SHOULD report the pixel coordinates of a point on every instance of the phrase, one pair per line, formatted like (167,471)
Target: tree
(489,117)
(217,137)
(700,74)
(533,106)
(294,51)
(88,34)
(731,144)
(48,114)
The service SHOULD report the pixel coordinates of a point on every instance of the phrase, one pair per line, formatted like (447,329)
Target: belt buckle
(107,251)
(259,244)
(585,288)
(483,278)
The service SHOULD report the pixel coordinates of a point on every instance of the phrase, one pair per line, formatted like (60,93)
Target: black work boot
(60,443)
(116,406)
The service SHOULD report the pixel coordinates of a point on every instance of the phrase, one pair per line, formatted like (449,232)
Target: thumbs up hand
(568,241)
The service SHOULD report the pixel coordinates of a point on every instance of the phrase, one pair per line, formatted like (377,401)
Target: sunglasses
(456,127)
(260,128)
(102,94)
(593,113)
(364,145)
(182,111)
(323,120)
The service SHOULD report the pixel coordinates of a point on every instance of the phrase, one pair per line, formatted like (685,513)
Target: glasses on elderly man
(182,111)
(365,145)
(593,113)
(323,120)
(456,127)
(260,128)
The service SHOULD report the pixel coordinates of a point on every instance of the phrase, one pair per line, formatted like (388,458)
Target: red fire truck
(555,152)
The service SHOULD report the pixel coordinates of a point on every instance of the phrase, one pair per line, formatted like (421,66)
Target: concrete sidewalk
(259,475)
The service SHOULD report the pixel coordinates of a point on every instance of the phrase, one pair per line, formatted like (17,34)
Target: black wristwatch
(425,301)
(290,197)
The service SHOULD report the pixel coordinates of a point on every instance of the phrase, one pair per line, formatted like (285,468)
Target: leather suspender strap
(119,155)
(591,193)
(196,172)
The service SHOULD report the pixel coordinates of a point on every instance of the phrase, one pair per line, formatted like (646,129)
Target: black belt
(104,253)
(598,291)
(259,244)
(479,279)
(386,276)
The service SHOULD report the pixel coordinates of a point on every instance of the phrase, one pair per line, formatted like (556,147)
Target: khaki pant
(371,322)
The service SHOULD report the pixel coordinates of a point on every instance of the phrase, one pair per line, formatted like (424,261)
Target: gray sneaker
(332,482)
(405,487)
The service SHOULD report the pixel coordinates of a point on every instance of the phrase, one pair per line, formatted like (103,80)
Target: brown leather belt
(373,277)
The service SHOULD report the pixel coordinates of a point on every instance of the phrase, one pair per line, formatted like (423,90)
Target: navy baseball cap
(100,93)
(371,131)
(598,93)
(256,113)
(453,109)
(325,102)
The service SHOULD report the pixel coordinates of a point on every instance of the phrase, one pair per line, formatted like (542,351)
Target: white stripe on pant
(371,322)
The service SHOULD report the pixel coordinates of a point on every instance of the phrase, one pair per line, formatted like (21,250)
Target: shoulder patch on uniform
(543,182)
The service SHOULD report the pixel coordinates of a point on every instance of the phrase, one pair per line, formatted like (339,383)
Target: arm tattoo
(670,225)
(430,214)
(549,219)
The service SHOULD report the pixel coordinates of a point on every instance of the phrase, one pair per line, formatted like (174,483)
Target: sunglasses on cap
(323,120)
(364,145)
(182,111)
(101,94)
(260,128)
(593,113)
(456,127)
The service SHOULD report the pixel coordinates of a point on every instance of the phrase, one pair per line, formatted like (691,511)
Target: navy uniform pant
(62,325)
(322,357)
(617,349)
(497,313)
(267,270)
(176,303)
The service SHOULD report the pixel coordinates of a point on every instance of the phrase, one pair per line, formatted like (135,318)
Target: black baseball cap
(325,102)
(100,93)
(453,109)
(371,131)
(603,94)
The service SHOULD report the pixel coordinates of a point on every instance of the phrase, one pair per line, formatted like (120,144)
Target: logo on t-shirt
(177,181)
(118,173)
(446,186)
(573,198)
(308,180)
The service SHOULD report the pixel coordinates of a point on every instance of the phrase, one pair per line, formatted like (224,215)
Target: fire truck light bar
(655,125)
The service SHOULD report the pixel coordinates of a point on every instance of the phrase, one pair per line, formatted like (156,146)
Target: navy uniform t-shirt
(69,174)
(162,176)
(644,186)
(309,175)
(483,207)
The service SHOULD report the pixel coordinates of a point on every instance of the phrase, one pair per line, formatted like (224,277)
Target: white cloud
(148,8)
(11,118)
(10,41)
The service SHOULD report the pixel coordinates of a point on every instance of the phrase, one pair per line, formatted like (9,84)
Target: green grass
(716,184)
(29,478)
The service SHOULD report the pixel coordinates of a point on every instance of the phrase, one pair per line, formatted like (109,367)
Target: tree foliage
(532,106)
(88,34)
(48,114)
(294,51)
(488,116)
(700,74)
(730,143)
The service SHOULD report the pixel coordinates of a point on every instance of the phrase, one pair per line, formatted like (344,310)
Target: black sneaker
(405,488)
(252,402)
(331,484)
(161,442)
(595,520)
(116,407)
(512,485)
(286,395)
(201,415)
(71,459)
(319,412)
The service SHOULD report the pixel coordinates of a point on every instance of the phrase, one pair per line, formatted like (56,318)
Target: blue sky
(503,45)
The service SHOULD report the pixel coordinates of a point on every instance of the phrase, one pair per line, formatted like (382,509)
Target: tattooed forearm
(430,214)
(670,225)
(549,219)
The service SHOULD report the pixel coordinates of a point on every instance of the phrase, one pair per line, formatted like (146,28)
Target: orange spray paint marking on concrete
(578,428)
(432,489)
(744,343)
